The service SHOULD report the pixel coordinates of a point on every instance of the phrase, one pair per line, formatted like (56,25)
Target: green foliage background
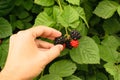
(98,55)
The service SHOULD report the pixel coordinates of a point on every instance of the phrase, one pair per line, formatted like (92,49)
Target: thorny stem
(59,3)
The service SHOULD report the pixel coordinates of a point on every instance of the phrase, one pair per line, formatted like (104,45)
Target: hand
(27,55)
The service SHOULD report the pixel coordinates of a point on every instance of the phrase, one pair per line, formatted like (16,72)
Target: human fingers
(43,44)
(12,42)
(53,52)
(43,31)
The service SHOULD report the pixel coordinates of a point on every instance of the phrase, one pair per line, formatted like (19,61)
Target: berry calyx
(75,34)
(59,40)
(74,43)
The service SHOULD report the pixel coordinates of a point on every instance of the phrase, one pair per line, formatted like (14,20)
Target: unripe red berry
(74,43)
(64,46)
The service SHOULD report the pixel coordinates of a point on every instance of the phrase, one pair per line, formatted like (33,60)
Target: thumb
(54,52)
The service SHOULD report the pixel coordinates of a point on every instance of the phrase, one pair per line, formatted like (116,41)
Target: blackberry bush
(98,22)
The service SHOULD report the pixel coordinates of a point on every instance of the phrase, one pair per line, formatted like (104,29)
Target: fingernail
(59,33)
(61,47)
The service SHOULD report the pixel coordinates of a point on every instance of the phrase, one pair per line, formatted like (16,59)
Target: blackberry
(75,35)
(59,40)
(68,45)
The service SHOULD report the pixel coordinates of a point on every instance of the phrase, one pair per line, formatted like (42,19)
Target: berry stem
(69,29)
(59,3)
(67,35)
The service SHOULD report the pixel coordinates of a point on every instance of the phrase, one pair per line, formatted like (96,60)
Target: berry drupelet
(74,43)
(68,45)
(75,35)
(59,40)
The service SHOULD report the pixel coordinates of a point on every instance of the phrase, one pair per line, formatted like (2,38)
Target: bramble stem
(67,35)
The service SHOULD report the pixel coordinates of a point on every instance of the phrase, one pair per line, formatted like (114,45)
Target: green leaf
(86,53)
(106,9)
(82,77)
(72,77)
(113,70)
(18,2)
(48,10)
(27,25)
(19,24)
(82,15)
(68,16)
(6,6)
(111,26)
(118,10)
(91,77)
(74,2)
(108,54)
(44,19)
(3,52)
(94,20)
(88,8)
(36,9)
(5,28)
(110,77)
(82,67)
(22,14)
(64,52)
(28,4)
(28,19)
(12,21)
(82,28)
(118,57)
(51,77)
(112,42)
(101,76)
(63,68)
(75,24)
(44,2)
(96,39)
(56,12)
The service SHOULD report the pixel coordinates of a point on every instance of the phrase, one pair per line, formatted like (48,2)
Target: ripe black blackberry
(59,40)
(68,45)
(75,35)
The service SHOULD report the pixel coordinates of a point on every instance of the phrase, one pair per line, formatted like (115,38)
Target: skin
(27,55)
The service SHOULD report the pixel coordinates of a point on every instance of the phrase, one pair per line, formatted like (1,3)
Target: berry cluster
(69,42)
